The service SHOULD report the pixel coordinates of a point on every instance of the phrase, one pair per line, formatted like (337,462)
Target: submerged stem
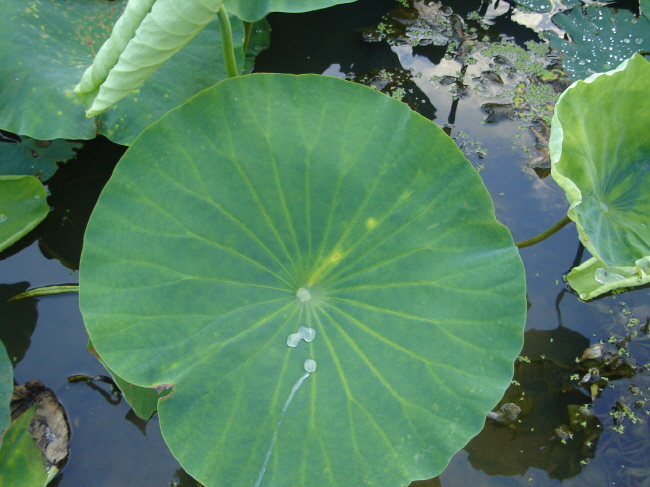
(545,234)
(226,43)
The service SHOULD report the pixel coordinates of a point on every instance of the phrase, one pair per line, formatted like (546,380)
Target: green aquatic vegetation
(37,76)
(336,265)
(328,236)
(599,153)
(34,157)
(23,205)
(600,39)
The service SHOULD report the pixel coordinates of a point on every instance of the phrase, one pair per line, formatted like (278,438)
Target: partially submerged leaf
(48,424)
(36,444)
(600,155)
(143,400)
(35,157)
(318,272)
(23,205)
(593,278)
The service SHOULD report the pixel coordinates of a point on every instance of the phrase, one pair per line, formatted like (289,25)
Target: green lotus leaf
(601,39)
(23,205)
(645,8)
(600,156)
(152,31)
(138,46)
(317,272)
(59,39)
(21,462)
(35,157)
(253,10)
(593,278)
(6,387)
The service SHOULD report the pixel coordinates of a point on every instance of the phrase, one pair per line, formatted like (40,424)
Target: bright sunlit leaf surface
(600,154)
(23,205)
(600,39)
(58,41)
(318,272)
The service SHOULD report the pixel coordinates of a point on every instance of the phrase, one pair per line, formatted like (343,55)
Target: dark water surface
(111,447)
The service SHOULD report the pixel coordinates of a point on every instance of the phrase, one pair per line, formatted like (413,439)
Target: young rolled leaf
(109,53)
(161,33)
(600,155)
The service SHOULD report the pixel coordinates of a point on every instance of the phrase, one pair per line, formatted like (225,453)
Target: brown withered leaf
(49,426)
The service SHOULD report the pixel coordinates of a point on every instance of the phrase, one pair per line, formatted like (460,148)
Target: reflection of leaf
(294,206)
(601,39)
(23,205)
(34,157)
(600,153)
(544,394)
(17,320)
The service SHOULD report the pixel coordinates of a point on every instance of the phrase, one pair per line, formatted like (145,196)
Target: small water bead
(638,40)
(303,294)
(604,208)
(3,218)
(626,41)
(604,276)
(304,333)
(310,365)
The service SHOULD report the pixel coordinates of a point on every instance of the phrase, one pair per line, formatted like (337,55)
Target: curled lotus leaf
(600,156)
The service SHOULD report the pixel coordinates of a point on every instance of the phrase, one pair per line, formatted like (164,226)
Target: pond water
(565,433)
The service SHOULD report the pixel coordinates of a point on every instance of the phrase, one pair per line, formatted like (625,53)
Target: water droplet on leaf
(603,276)
(303,295)
(310,365)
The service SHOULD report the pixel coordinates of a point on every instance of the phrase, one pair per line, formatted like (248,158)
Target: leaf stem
(46,291)
(248,29)
(545,234)
(226,43)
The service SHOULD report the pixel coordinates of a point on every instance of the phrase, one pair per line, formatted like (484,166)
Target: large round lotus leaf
(601,39)
(58,41)
(600,154)
(318,273)
(23,205)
